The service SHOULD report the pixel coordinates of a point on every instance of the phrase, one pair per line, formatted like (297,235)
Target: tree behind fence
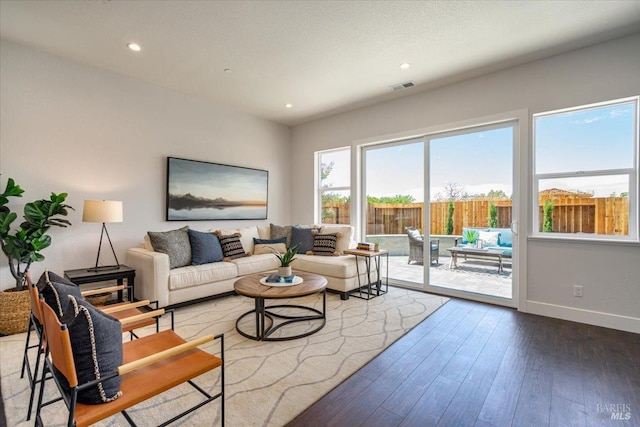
(600,215)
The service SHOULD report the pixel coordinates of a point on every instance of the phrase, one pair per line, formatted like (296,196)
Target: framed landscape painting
(210,191)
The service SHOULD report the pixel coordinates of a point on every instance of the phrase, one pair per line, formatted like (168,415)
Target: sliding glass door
(394,206)
(464,233)
(472,209)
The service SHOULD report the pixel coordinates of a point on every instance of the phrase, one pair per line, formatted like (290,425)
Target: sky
(593,139)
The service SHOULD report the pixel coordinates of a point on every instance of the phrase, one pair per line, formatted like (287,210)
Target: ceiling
(323,57)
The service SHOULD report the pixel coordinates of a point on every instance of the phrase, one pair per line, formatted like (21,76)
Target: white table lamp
(103,211)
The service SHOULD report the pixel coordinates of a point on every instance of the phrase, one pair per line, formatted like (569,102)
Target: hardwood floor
(473,364)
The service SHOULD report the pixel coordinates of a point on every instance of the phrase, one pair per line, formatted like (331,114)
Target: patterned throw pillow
(55,291)
(174,243)
(325,244)
(231,246)
(96,342)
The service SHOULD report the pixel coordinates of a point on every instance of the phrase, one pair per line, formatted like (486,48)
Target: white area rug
(267,383)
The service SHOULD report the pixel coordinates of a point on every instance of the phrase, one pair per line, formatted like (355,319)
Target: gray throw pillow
(279,231)
(96,342)
(303,237)
(205,248)
(174,243)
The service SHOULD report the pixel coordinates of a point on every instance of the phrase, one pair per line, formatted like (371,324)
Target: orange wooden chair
(130,315)
(151,365)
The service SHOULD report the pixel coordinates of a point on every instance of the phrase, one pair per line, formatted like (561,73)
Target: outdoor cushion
(489,237)
(506,237)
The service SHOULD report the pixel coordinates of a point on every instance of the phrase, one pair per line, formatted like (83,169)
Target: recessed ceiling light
(134,47)
(405,65)
(228,70)
(288,105)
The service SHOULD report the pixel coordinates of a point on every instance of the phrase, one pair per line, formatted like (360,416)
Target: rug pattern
(267,383)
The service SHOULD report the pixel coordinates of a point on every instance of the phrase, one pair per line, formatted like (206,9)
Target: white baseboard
(607,320)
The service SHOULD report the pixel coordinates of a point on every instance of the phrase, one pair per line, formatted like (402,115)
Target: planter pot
(15,308)
(284,271)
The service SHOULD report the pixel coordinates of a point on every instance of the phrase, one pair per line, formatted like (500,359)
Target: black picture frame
(205,191)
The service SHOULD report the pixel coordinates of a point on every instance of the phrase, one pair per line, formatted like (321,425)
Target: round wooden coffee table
(251,287)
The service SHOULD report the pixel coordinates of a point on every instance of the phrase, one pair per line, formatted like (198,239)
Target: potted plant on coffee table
(286,259)
(22,246)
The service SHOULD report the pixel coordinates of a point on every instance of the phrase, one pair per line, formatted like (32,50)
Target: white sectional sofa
(170,287)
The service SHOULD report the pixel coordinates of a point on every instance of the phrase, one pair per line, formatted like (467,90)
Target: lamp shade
(102,211)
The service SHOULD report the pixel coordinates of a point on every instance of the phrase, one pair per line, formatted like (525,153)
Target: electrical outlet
(577,291)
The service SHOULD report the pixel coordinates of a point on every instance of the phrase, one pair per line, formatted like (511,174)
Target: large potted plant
(22,246)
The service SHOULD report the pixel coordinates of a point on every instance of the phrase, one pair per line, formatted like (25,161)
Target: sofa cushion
(256,264)
(345,236)
(96,343)
(324,244)
(278,231)
(489,237)
(303,237)
(174,243)
(266,246)
(342,267)
(195,275)
(205,248)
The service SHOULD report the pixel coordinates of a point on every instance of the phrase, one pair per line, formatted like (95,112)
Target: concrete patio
(473,275)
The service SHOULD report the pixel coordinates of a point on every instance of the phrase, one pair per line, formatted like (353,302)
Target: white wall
(68,127)
(609,273)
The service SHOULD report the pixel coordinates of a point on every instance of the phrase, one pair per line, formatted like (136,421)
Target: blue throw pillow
(56,293)
(96,342)
(269,241)
(303,237)
(205,248)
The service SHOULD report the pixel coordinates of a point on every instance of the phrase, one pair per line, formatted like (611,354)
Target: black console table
(88,275)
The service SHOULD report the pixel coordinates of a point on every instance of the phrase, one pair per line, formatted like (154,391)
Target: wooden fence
(599,215)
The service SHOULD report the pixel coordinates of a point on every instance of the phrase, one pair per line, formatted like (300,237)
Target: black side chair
(416,245)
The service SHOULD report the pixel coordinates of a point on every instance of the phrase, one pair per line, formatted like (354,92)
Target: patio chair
(416,247)
(150,366)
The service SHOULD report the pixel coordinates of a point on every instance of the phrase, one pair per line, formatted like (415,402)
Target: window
(334,186)
(586,171)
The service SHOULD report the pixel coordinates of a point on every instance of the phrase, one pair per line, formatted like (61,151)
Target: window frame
(319,191)
(631,173)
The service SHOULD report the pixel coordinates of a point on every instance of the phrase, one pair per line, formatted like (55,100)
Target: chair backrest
(59,343)
(34,297)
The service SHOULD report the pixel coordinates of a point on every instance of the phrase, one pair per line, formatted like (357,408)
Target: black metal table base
(262,313)
(371,289)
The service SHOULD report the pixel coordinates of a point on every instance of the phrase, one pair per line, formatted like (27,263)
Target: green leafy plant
(23,245)
(470,235)
(449,229)
(547,225)
(493,216)
(286,258)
